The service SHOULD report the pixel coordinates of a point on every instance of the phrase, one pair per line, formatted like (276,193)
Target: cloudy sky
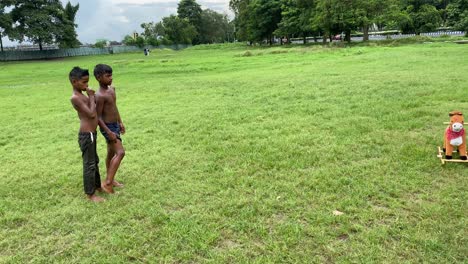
(113,19)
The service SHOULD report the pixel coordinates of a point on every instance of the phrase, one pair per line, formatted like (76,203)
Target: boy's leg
(114,164)
(87,146)
(97,175)
(110,155)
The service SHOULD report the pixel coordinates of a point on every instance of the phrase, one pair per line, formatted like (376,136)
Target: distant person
(146,51)
(110,124)
(86,108)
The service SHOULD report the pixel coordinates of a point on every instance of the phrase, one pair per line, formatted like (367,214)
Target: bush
(100,44)
(152,42)
(247,54)
(166,42)
(278,51)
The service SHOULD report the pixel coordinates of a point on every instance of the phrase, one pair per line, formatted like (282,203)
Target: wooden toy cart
(442,158)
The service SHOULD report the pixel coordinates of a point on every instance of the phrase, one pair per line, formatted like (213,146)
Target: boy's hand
(122,128)
(112,137)
(90,92)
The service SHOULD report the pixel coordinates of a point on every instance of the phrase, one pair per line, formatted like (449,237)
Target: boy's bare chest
(84,99)
(109,97)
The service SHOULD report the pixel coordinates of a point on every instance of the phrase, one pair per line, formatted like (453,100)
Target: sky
(113,19)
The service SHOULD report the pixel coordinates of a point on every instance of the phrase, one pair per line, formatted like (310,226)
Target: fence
(16,55)
(429,34)
(383,37)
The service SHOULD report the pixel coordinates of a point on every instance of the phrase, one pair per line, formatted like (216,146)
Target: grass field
(238,154)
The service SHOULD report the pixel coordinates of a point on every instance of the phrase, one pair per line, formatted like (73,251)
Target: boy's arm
(89,110)
(122,127)
(92,101)
(100,100)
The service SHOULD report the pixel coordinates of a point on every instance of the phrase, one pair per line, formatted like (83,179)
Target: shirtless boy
(86,108)
(110,124)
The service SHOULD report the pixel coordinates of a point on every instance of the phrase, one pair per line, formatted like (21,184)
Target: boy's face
(81,84)
(105,79)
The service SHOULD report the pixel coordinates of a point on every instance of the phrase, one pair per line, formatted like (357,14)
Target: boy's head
(103,74)
(79,78)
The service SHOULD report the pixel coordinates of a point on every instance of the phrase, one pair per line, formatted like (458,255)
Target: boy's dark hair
(77,73)
(101,69)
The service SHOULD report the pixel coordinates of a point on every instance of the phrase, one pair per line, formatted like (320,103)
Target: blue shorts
(115,128)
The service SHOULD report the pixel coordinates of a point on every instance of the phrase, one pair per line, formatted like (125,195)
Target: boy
(86,108)
(110,124)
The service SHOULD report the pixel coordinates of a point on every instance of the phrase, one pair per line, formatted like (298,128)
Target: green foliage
(192,12)
(296,18)
(216,27)
(254,18)
(140,41)
(152,41)
(244,15)
(5,22)
(187,27)
(457,15)
(179,30)
(424,18)
(67,37)
(167,42)
(100,43)
(153,30)
(330,18)
(39,21)
(129,41)
(267,15)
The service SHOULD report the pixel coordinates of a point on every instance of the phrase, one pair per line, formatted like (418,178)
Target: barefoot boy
(110,124)
(86,108)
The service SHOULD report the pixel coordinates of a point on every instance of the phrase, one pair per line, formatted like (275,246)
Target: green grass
(236,159)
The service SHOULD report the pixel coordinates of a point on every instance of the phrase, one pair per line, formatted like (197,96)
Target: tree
(37,20)
(215,27)
(152,32)
(129,41)
(267,15)
(307,10)
(457,15)
(243,19)
(67,37)
(140,41)
(325,18)
(5,21)
(179,30)
(191,10)
(378,12)
(100,43)
(296,18)
(424,16)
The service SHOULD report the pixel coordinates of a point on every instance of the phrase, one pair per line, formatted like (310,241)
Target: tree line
(48,21)
(191,25)
(258,20)
(39,21)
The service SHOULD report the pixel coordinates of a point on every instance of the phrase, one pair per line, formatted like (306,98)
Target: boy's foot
(95,199)
(99,190)
(106,188)
(117,184)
